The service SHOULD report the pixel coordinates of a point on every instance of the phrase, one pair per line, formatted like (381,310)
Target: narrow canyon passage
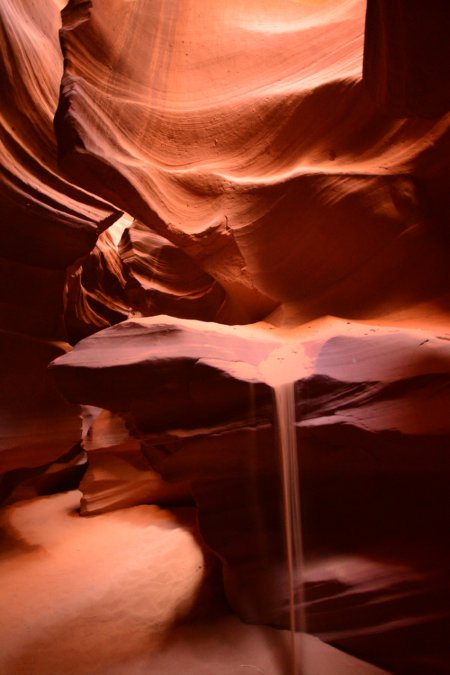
(224,337)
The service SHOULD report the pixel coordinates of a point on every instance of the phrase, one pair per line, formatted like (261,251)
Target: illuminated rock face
(245,136)
(262,179)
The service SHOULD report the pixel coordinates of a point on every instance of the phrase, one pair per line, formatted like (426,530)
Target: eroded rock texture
(373,439)
(265,183)
(47,224)
(118,474)
(268,163)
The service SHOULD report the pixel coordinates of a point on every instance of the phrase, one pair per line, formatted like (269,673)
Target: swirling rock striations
(95,294)
(163,279)
(263,176)
(47,224)
(245,136)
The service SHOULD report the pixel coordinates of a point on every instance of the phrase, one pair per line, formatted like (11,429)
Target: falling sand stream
(285,417)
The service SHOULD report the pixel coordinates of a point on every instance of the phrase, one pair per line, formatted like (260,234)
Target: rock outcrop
(162,279)
(118,475)
(270,165)
(47,225)
(248,169)
(373,437)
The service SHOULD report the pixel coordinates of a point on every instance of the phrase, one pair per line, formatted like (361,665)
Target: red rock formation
(407,56)
(264,180)
(37,425)
(47,224)
(96,296)
(227,158)
(373,435)
(118,474)
(162,279)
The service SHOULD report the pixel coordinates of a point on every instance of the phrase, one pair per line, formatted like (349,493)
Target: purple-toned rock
(373,438)
(118,474)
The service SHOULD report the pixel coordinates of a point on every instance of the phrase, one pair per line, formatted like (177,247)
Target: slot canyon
(225,337)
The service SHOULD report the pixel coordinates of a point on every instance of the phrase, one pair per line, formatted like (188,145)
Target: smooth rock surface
(47,223)
(276,161)
(121,613)
(31,405)
(118,474)
(407,56)
(245,136)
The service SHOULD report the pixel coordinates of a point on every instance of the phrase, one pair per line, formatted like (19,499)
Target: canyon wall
(200,201)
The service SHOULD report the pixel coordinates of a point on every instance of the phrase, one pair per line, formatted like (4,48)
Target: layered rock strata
(373,439)
(265,177)
(246,137)
(46,225)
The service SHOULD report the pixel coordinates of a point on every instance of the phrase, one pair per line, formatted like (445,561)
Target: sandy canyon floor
(119,593)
